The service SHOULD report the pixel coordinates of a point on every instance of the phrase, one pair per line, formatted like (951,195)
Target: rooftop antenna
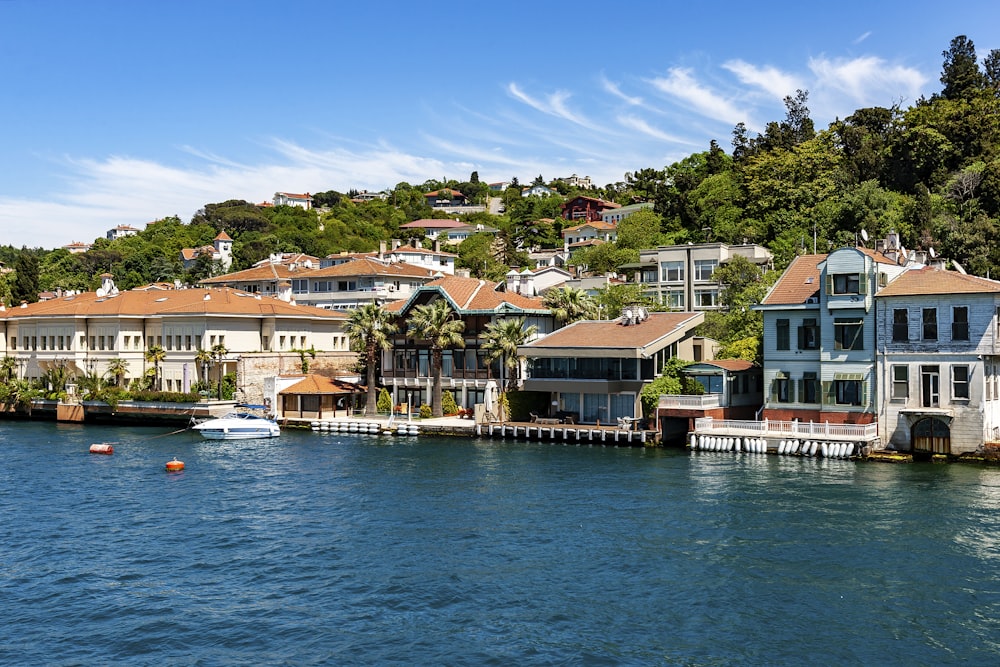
(864,238)
(932,252)
(958,267)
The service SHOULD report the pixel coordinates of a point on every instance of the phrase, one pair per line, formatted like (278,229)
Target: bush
(425,411)
(448,404)
(384,401)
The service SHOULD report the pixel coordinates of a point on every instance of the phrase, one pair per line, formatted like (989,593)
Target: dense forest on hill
(930,172)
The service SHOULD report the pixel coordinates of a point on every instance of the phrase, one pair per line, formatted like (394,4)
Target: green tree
(613,298)
(155,355)
(436,323)
(501,339)
(8,369)
(370,330)
(25,287)
(639,231)
(117,370)
(960,73)
(219,352)
(204,359)
(569,304)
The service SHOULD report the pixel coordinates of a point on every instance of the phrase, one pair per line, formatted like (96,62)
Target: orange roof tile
(934,281)
(615,335)
(800,281)
(141,303)
(320,384)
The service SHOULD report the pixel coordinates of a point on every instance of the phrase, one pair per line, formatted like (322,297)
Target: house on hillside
(538,191)
(221,252)
(589,231)
(121,231)
(586,208)
(445,198)
(292,199)
(434,228)
(682,276)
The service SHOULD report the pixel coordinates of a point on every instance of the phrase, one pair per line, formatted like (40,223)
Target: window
(706,298)
(125,341)
(704,268)
(808,335)
(900,382)
(783,336)
(930,324)
(347,285)
(187,342)
(300,286)
(671,271)
(960,323)
(848,334)
(810,388)
(960,382)
(780,390)
(281,342)
(930,393)
(675,300)
(900,325)
(847,283)
(265,342)
(847,392)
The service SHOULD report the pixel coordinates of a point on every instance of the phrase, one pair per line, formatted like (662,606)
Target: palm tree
(501,340)
(436,323)
(203,358)
(218,353)
(8,366)
(155,354)
(118,368)
(569,304)
(369,328)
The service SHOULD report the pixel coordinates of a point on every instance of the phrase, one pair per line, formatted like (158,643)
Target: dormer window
(847,283)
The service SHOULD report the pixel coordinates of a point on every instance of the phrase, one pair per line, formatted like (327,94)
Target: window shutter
(774,391)
(829,397)
(802,390)
(863,283)
(864,394)
(802,338)
(829,286)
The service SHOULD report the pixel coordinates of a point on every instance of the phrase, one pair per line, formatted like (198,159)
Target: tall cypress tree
(25,287)
(960,73)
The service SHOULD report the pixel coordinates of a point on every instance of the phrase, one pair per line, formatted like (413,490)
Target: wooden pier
(570,433)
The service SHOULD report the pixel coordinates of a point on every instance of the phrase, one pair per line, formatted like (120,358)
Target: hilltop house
(221,251)
(585,208)
(121,231)
(292,199)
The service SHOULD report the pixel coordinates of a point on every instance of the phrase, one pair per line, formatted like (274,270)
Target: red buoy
(175,465)
(102,448)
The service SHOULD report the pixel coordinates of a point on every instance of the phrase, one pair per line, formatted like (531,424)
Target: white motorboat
(238,426)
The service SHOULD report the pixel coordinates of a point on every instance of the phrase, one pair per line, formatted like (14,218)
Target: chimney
(285,291)
(381,250)
(437,245)
(396,243)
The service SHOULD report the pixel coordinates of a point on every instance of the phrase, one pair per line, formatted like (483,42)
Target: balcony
(700,402)
(791,429)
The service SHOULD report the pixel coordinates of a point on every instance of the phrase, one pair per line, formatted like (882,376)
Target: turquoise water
(336,549)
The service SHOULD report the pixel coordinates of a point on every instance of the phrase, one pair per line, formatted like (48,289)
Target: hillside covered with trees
(930,172)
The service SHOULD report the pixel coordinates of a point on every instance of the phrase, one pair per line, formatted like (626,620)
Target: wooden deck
(576,433)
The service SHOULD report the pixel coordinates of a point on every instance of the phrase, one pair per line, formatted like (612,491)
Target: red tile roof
(613,334)
(933,281)
(800,281)
(472,294)
(140,303)
(320,384)
(444,223)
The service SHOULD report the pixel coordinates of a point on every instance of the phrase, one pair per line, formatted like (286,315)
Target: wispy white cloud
(613,88)
(683,87)
(770,79)
(862,37)
(637,124)
(867,80)
(553,105)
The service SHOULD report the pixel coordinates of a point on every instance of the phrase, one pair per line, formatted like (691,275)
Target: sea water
(340,549)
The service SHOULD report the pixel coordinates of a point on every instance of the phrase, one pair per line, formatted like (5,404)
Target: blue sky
(116,112)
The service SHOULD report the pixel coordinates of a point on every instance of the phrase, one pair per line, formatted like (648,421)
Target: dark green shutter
(829,395)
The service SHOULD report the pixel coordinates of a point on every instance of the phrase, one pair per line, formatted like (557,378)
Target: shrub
(425,411)
(448,404)
(384,401)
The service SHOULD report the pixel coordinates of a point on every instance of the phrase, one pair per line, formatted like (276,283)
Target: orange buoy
(175,465)
(102,448)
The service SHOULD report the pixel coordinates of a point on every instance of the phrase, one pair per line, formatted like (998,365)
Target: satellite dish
(958,267)
(864,236)
(932,252)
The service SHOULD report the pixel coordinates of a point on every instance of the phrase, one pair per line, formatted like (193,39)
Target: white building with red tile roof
(293,199)
(85,332)
(221,252)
